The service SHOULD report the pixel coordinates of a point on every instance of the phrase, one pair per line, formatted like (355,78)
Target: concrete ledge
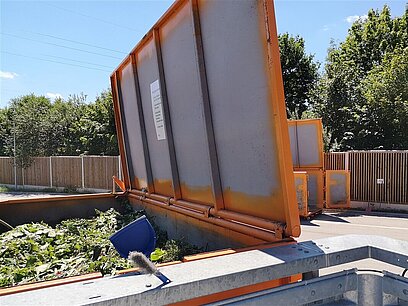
(216,275)
(370,206)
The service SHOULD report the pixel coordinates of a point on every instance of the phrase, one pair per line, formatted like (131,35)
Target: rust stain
(164,187)
(212,229)
(266,207)
(301,193)
(202,195)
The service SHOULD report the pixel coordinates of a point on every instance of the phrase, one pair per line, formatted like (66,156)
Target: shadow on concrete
(359,213)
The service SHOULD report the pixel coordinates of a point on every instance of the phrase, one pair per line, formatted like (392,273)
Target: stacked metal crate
(315,187)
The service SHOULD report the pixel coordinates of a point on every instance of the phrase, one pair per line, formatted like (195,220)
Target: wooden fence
(375,176)
(88,172)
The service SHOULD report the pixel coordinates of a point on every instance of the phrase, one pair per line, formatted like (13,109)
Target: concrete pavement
(354,222)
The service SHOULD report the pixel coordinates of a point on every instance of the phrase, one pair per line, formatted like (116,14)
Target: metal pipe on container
(243,229)
(189,205)
(254,221)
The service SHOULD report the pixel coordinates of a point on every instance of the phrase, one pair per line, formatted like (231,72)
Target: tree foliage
(300,74)
(360,100)
(71,127)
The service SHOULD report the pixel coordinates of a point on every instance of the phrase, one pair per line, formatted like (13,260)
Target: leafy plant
(36,251)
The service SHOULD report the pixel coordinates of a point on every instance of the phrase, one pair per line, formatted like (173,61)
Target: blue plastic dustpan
(136,236)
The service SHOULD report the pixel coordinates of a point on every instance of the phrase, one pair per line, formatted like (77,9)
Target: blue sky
(70,47)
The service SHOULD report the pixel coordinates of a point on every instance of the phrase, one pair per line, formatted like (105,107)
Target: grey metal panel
(236,66)
(147,66)
(308,145)
(312,187)
(185,105)
(134,141)
(338,191)
(294,145)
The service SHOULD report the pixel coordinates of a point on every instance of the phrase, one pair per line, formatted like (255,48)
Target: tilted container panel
(306,143)
(201,116)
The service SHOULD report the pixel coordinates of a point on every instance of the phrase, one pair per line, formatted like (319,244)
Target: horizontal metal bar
(214,275)
(300,293)
(395,285)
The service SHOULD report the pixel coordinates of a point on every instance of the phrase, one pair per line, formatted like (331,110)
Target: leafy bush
(36,251)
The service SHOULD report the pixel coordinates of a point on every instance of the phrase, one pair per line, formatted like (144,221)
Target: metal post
(122,119)
(149,172)
(370,290)
(51,171)
(82,172)
(167,123)
(215,171)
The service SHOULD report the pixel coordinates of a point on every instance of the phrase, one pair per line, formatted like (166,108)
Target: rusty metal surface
(211,94)
(301,185)
(148,72)
(337,189)
(134,137)
(186,107)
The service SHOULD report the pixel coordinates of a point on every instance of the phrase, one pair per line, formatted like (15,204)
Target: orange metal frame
(319,136)
(302,189)
(280,129)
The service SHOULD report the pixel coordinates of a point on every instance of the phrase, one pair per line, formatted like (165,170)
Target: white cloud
(53,95)
(353,18)
(326,28)
(7,75)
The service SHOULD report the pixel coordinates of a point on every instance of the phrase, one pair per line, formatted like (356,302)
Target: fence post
(22,176)
(15,173)
(346,161)
(50,171)
(82,172)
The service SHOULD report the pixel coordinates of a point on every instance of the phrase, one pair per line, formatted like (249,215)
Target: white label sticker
(157,107)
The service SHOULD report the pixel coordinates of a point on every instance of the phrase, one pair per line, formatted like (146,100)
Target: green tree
(27,127)
(300,74)
(98,124)
(342,97)
(64,127)
(386,92)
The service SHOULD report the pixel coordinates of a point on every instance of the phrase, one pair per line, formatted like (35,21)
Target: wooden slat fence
(63,171)
(375,176)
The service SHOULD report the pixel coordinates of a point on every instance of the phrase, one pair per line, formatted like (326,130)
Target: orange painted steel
(262,223)
(50,283)
(119,130)
(281,123)
(302,193)
(120,183)
(208,210)
(238,227)
(168,200)
(240,291)
(287,212)
(58,198)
